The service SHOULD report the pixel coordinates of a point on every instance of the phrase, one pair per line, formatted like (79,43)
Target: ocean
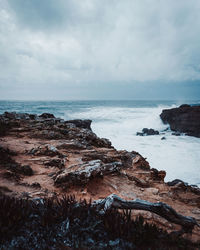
(119,121)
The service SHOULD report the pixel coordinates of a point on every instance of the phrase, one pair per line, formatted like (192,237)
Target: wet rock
(83,173)
(148,131)
(185,119)
(174,182)
(140,133)
(176,133)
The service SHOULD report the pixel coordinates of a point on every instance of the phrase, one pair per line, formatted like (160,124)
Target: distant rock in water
(148,131)
(185,119)
(176,133)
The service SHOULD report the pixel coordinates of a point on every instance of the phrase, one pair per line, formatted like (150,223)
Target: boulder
(148,131)
(185,119)
(81,174)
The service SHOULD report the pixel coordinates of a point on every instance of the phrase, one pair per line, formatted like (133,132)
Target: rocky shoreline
(43,157)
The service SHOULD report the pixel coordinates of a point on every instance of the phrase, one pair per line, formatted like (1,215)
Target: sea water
(119,121)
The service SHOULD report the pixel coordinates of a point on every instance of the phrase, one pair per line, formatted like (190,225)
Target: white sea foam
(178,155)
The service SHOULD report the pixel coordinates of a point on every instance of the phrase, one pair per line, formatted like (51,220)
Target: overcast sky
(99,49)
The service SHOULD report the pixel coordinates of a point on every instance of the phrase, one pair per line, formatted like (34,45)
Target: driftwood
(159,208)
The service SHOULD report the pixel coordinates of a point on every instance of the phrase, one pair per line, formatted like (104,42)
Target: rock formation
(44,157)
(148,131)
(185,119)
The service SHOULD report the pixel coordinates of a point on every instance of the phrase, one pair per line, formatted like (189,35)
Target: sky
(91,49)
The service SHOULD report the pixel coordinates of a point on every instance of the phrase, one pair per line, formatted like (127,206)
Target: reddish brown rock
(89,167)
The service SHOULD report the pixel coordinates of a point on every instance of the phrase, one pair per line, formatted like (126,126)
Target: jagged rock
(148,131)
(140,162)
(83,173)
(17,116)
(126,173)
(81,123)
(56,162)
(48,134)
(98,155)
(46,115)
(158,175)
(33,116)
(73,144)
(47,150)
(127,158)
(89,137)
(185,119)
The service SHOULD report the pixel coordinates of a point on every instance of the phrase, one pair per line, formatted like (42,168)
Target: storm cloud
(89,49)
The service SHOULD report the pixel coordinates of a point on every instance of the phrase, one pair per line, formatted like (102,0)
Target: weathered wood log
(159,208)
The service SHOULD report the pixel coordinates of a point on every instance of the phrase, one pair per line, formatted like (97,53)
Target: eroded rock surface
(65,158)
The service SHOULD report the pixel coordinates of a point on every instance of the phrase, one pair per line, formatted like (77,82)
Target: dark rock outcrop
(47,115)
(185,119)
(81,123)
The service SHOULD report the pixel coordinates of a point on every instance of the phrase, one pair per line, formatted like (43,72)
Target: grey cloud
(37,14)
(74,44)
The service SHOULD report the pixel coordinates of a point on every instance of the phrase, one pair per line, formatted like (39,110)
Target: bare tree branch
(159,208)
